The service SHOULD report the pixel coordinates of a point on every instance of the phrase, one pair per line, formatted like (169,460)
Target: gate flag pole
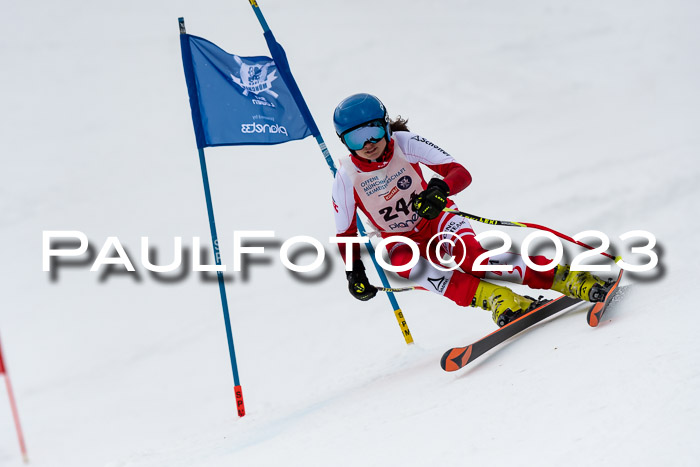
(238,391)
(280,58)
(13,406)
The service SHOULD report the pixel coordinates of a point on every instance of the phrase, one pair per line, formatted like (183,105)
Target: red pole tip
(239,401)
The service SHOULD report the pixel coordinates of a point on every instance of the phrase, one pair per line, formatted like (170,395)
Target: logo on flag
(238,100)
(255,78)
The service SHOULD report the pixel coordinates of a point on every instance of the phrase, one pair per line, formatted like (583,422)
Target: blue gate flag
(237,100)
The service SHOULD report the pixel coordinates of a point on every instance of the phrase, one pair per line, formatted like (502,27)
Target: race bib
(387,193)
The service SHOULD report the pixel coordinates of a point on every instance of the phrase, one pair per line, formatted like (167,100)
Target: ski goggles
(371,132)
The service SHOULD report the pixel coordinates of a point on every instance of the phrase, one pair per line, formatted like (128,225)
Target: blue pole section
(280,58)
(196,119)
(222,288)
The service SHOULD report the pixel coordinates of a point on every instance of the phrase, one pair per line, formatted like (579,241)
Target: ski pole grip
(239,401)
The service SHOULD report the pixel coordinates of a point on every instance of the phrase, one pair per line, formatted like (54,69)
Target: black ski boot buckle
(508,316)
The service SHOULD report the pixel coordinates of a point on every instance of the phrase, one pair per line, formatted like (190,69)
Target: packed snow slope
(575,115)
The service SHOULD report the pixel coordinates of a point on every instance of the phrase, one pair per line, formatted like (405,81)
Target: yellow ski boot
(578,284)
(504,304)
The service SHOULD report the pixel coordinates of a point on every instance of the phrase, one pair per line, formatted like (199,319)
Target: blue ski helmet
(358,110)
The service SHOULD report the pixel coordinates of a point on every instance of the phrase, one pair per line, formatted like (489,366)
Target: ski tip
(594,314)
(456,358)
(443,360)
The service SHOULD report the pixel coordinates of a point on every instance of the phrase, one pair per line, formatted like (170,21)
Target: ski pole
(530,225)
(398,289)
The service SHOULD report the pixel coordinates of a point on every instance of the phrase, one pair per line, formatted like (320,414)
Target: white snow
(575,115)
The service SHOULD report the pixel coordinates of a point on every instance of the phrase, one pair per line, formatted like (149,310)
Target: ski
(597,310)
(459,357)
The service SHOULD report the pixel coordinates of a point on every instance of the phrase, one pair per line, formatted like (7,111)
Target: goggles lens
(371,132)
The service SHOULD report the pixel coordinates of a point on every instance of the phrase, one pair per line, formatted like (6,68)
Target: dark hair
(398,124)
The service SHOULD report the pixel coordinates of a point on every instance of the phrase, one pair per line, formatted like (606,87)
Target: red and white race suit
(384,190)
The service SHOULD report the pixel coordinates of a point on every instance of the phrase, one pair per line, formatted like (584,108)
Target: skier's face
(372,151)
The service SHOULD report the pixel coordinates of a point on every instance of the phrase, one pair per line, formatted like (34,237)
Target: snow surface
(576,115)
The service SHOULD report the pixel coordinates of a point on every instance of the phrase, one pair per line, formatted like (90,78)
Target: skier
(382,177)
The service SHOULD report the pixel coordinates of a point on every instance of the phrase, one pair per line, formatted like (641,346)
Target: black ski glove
(432,201)
(358,284)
